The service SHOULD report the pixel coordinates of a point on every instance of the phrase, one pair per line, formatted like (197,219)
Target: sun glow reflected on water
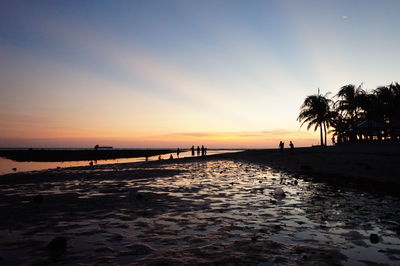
(176,209)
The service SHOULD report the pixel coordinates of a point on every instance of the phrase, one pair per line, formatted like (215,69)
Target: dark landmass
(43,155)
(372,164)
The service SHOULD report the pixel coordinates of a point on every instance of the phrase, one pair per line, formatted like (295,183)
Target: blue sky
(152,73)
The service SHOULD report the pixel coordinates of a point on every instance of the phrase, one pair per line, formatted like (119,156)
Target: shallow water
(9,166)
(221,212)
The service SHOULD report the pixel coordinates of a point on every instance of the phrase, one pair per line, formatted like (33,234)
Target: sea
(8,166)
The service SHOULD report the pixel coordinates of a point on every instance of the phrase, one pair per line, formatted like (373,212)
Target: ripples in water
(201,212)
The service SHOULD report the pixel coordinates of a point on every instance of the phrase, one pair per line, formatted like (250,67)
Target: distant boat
(97,147)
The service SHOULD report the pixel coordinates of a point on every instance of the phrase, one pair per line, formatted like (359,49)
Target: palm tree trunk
(325,133)
(321,134)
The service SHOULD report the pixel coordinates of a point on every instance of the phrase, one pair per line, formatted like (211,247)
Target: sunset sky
(179,73)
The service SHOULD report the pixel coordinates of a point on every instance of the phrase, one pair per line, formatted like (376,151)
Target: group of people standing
(282,146)
(202,149)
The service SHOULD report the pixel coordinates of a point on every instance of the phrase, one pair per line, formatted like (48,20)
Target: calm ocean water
(7,165)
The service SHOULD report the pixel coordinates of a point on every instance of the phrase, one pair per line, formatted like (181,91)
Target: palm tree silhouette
(339,128)
(356,115)
(315,111)
(349,103)
(388,107)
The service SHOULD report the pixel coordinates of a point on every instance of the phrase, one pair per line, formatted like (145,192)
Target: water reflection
(9,166)
(205,211)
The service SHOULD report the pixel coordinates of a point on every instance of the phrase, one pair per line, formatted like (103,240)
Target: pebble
(38,199)
(373,238)
(57,243)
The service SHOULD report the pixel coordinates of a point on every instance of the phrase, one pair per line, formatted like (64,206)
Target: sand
(194,211)
(367,164)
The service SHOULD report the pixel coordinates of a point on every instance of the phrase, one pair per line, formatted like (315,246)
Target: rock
(135,195)
(38,199)
(277,227)
(139,249)
(57,244)
(115,237)
(139,196)
(279,192)
(373,238)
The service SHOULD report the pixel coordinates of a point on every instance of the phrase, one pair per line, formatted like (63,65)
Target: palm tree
(350,99)
(350,103)
(340,128)
(315,111)
(395,89)
(388,107)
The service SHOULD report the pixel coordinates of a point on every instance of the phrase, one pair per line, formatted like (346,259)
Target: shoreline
(43,155)
(181,211)
(368,165)
(374,167)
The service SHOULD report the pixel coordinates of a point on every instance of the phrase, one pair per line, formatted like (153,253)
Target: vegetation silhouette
(316,112)
(356,115)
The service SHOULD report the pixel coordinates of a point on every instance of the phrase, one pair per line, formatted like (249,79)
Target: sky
(167,74)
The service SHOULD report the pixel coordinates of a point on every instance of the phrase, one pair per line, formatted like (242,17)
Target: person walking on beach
(177,152)
(198,151)
(205,151)
(192,150)
(291,146)
(202,150)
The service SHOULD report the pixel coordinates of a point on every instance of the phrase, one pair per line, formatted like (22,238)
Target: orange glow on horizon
(261,139)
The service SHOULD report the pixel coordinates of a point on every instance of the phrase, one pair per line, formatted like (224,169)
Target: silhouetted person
(171,157)
(192,149)
(202,150)
(198,151)
(205,151)
(177,152)
(147,158)
(291,146)
(281,145)
(159,157)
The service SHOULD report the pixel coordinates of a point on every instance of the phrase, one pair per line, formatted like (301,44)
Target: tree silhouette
(356,115)
(349,103)
(315,111)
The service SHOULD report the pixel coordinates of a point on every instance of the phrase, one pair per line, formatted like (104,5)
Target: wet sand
(366,164)
(194,211)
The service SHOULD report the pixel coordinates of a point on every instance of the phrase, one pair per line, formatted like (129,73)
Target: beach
(221,209)
(376,163)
